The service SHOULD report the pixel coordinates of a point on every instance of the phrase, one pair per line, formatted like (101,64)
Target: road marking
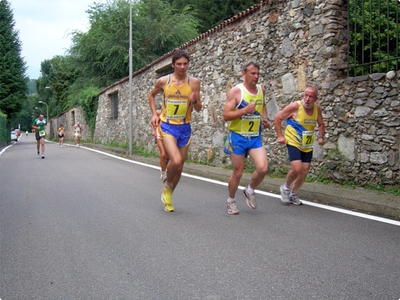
(2,151)
(331,208)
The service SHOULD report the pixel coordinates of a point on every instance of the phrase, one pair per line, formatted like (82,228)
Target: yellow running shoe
(166,198)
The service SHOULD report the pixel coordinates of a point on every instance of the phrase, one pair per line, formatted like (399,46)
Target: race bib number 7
(176,109)
(250,125)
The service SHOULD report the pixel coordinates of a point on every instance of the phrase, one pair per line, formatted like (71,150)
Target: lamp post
(130,77)
(47,108)
(38,109)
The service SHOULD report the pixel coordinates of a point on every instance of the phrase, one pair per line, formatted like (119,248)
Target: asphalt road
(83,225)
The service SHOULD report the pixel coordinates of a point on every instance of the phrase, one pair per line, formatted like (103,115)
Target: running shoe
(232,208)
(295,199)
(42,156)
(250,199)
(163,176)
(285,193)
(38,155)
(166,198)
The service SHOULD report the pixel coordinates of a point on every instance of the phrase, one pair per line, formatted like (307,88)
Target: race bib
(61,132)
(176,109)
(250,125)
(42,133)
(307,141)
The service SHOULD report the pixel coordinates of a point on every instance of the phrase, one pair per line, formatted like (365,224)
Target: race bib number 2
(250,125)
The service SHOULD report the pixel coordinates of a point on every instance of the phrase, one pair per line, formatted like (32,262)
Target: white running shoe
(232,208)
(250,199)
(285,195)
(295,199)
(163,176)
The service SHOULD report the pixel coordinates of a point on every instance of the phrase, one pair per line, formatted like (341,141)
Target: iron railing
(374,36)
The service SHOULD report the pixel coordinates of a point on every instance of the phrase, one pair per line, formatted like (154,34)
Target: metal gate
(374,36)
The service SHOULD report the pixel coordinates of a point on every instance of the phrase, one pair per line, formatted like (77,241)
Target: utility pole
(130,77)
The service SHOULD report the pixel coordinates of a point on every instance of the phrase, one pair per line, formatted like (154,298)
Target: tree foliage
(102,52)
(57,76)
(13,86)
(374,45)
(211,13)
(88,101)
(100,56)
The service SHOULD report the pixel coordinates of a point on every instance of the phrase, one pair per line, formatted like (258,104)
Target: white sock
(249,190)
(286,187)
(230,200)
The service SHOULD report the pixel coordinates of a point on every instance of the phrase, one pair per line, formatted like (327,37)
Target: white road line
(331,208)
(2,151)
(322,206)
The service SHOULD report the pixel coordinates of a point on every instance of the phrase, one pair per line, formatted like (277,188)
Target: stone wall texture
(68,119)
(298,43)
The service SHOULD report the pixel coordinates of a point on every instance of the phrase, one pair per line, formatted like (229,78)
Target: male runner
(180,95)
(246,113)
(40,125)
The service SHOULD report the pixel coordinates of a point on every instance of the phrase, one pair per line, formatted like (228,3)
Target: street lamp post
(47,108)
(130,78)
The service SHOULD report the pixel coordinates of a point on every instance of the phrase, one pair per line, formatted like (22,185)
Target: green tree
(211,13)
(88,100)
(13,86)
(164,27)
(31,86)
(57,76)
(101,54)
(374,27)
(27,114)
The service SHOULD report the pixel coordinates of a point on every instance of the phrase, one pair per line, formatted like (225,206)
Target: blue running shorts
(240,145)
(181,133)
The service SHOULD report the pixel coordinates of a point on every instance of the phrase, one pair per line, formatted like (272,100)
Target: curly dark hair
(178,53)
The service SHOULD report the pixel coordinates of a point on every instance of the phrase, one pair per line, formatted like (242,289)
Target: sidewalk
(355,199)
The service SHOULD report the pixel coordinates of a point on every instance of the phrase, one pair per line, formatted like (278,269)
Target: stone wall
(68,119)
(298,43)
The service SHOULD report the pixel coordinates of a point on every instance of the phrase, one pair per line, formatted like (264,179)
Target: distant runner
(40,125)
